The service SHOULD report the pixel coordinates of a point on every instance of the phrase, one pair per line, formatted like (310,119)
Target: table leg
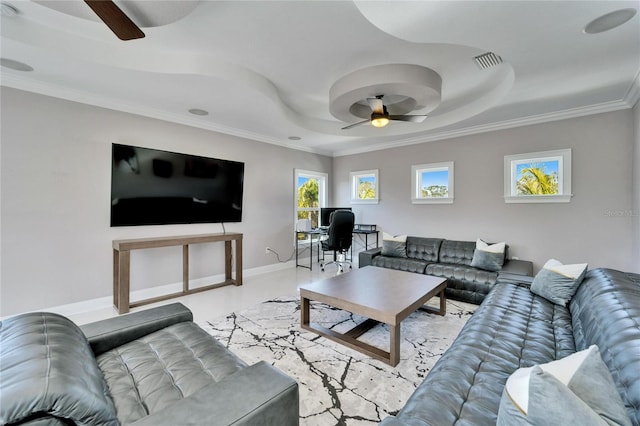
(227,260)
(394,345)
(122,285)
(304,311)
(185,268)
(311,252)
(116,278)
(238,261)
(443,302)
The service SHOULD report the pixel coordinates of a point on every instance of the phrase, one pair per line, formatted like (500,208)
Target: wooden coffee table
(382,295)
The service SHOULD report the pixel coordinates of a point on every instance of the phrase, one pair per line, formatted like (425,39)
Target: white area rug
(339,386)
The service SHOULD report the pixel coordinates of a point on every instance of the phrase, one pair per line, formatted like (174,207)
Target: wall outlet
(267,250)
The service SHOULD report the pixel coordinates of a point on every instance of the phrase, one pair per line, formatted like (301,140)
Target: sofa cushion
(457,252)
(562,392)
(394,246)
(147,375)
(48,368)
(489,257)
(426,249)
(400,263)
(513,328)
(464,283)
(557,282)
(605,312)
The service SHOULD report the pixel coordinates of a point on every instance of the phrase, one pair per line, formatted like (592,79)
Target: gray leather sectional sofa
(154,367)
(448,259)
(515,328)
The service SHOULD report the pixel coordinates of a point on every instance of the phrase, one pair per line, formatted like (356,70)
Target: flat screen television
(154,187)
(325,214)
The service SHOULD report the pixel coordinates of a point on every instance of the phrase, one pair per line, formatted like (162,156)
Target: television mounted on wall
(155,187)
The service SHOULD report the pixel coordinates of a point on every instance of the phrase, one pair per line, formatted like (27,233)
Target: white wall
(56,177)
(55,184)
(588,229)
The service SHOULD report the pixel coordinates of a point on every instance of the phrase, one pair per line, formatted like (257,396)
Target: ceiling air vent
(487,60)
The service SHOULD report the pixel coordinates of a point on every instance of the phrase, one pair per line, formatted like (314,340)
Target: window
(539,177)
(364,187)
(310,195)
(432,183)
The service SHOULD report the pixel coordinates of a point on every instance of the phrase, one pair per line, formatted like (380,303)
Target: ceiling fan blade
(411,118)
(376,105)
(115,19)
(355,124)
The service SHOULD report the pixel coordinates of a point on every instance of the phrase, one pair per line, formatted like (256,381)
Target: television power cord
(269,249)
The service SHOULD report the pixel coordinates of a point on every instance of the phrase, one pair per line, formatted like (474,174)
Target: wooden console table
(121,265)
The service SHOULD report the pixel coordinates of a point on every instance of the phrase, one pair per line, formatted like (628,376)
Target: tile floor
(224,300)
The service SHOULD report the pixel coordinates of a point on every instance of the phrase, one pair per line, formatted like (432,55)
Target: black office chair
(339,238)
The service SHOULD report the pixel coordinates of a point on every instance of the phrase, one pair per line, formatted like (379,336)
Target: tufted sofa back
(605,311)
(457,252)
(423,248)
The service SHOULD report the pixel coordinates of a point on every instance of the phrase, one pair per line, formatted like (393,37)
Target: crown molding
(84,97)
(500,125)
(633,94)
(22,83)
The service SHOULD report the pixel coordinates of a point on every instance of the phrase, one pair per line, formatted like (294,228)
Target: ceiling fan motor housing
(406,88)
(384,114)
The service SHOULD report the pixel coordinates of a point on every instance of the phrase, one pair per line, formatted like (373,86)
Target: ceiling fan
(380,117)
(121,25)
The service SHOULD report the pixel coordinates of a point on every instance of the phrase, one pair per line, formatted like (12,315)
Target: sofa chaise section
(514,328)
(154,367)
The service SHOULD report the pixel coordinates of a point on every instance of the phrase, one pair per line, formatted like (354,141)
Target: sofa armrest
(257,395)
(518,267)
(517,279)
(113,332)
(365,257)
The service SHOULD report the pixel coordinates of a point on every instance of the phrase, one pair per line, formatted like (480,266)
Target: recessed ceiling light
(8,10)
(294,138)
(197,111)
(15,65)
(609,21)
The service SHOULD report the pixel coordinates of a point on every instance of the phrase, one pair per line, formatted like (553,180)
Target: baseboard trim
(148,293)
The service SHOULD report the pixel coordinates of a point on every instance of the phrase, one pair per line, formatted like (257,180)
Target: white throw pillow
(557,282)
(577,390)
(490,248)
(394,246)
(489,257)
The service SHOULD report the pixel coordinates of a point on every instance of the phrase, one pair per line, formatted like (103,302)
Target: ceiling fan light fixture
(379,120)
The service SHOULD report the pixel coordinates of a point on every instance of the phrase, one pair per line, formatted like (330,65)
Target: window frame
(416,180)
(354,178)
(511,162)
(323,193)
